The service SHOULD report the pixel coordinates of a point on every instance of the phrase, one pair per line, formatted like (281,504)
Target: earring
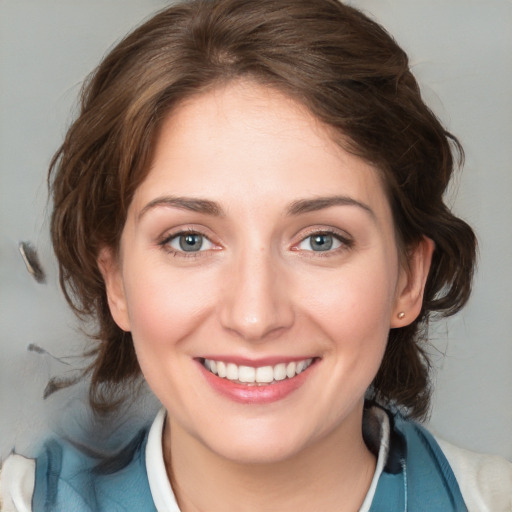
(401,315)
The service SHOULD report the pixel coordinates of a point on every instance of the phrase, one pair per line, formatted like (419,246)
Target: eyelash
(166,241)
(346,243)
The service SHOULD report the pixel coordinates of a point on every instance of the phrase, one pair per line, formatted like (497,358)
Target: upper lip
(256,363)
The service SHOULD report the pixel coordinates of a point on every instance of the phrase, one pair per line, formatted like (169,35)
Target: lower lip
(253,394)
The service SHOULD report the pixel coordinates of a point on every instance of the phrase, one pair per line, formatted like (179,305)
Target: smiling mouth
(257,376)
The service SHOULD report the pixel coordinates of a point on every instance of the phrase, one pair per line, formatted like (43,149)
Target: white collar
(383,419)
(161,489)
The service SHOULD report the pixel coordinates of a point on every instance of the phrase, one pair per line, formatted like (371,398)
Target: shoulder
(483,483)
(17,479)
(65,476)
(484,480)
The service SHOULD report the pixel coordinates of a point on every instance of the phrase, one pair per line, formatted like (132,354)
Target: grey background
(461,51)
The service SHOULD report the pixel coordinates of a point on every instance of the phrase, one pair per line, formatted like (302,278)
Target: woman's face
(257,243)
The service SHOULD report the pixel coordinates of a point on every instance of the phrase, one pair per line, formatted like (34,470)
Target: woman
(250,207)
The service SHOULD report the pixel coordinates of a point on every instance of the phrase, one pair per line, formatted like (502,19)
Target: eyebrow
(184,203)
(320,203)
(298,207)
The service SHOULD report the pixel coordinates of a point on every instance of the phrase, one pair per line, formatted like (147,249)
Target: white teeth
(290,370)
(259,375)
(264,374)
(221,368)
(232,371)
(280,371)
(246,374)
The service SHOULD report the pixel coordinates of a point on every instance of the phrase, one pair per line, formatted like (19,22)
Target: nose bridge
(255,302)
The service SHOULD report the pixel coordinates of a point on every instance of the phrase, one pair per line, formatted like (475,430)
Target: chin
(263,451)
(260,440)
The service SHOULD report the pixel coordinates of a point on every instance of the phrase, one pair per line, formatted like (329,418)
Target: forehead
(252,142)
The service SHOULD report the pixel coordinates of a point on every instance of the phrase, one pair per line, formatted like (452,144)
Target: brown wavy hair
(345,68)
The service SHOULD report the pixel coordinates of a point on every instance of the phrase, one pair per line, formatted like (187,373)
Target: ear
(411,284)
(108,263)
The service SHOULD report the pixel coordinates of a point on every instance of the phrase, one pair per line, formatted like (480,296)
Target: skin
(258,289)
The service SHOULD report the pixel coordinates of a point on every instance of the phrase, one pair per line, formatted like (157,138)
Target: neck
(333,474)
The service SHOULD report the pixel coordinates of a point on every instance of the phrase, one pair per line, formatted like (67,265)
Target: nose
(256,304)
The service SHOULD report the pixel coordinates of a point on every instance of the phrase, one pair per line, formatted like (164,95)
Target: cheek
(350,313)
(353,306)
(164,311)
(165,306)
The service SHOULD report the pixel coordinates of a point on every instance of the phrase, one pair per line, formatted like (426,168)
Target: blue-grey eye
(320,242)
(190,242)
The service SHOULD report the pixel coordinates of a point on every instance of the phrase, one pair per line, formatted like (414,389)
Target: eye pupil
(321,242)
(191,242)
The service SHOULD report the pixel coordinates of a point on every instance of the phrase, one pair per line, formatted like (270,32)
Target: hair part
(343,67)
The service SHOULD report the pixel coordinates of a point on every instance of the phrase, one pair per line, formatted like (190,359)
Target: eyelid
(343,237)
(337,243)
(176,239)
(165,240)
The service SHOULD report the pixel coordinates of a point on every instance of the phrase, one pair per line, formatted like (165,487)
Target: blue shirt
(416,477)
